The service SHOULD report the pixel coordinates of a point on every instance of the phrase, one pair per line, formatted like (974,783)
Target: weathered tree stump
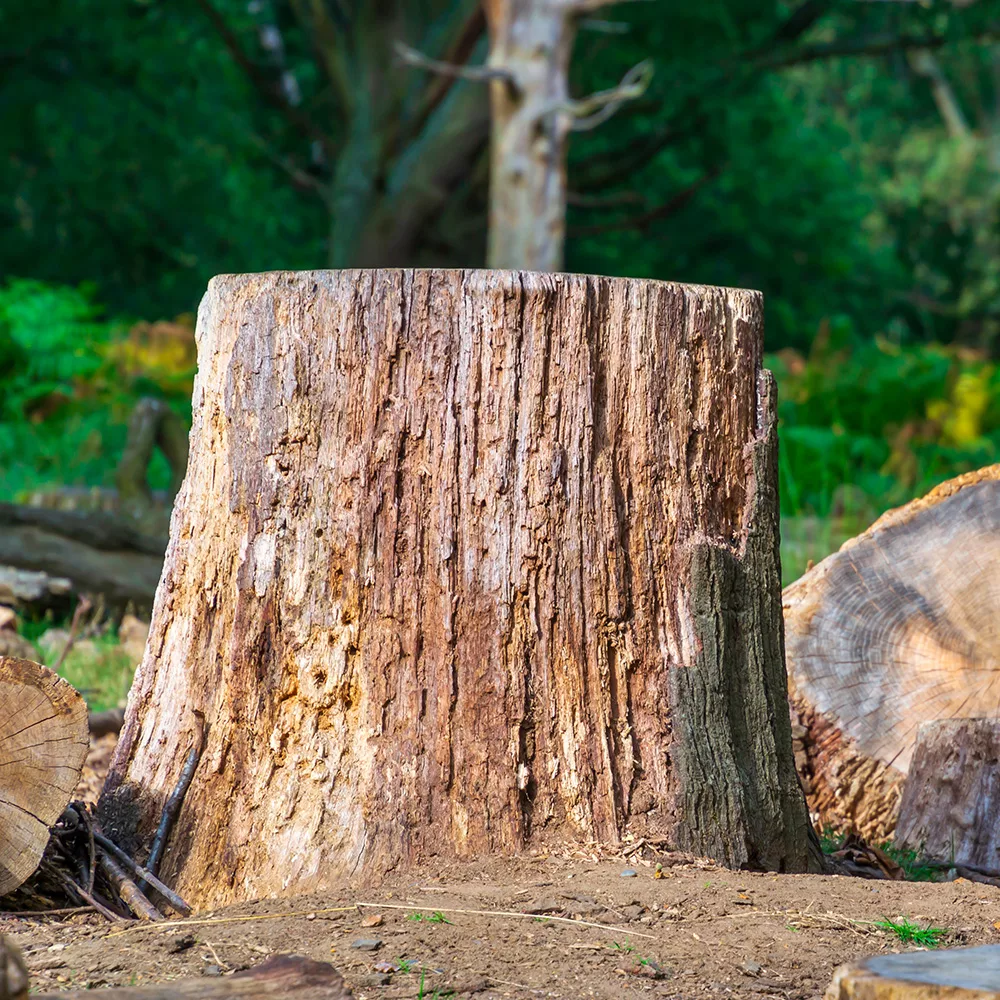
(465,561)
(43,744)
(945,974)
(897,628)
(951,801)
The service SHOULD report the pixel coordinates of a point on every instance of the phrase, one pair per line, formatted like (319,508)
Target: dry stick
(80,891)
(63,912)
(512,913)
(173,805)
(130,893)
(82,607)
(144,873)
(170,924)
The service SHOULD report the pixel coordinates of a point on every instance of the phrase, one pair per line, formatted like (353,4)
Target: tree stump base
(946,974)
(951,801)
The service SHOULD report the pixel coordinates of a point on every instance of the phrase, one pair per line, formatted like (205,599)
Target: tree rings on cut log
(900,627)
(951,802)
(952,973)
(43,744)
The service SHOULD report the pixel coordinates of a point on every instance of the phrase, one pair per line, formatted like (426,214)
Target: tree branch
(669,208)
(872,46)
(260,79)
(598,108)
(478,74)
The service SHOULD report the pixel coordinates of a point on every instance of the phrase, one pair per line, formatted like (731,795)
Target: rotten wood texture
(43,744)
(942,974)
(279,977)
(896,629)
(951,802)
(465,561)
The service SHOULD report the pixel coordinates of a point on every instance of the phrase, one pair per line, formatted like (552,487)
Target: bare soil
(564,925)
(709,931)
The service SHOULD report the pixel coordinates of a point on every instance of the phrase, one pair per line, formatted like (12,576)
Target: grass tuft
(908,932)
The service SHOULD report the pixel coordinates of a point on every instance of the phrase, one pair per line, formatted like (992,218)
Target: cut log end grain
(900,627)
(43,744)
(948,974)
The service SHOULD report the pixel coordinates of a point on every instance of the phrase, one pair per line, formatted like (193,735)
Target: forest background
(842,157)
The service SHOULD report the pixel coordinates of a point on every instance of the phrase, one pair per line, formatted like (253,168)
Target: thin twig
(205,921)
(82,607)
(512,913)
(478,74)
(589,112)
(64,911)
(92,900)
(218,961)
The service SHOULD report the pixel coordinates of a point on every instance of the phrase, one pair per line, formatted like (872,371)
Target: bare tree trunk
(532,41)
(465,562)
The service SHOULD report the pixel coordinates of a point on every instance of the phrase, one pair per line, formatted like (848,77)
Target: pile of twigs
(87,870)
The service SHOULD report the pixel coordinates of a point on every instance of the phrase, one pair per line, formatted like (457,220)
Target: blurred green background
(844,158)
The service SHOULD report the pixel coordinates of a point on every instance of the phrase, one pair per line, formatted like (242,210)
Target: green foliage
(69,380)
(910,933)
(864,426)
(912,863)
(429,918)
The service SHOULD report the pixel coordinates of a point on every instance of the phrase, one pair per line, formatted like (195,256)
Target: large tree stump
(946,974)
(465,561)
(951,801)
(43,744)
(898,628)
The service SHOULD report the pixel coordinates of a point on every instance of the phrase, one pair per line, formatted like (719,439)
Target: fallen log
(280,977)
(943,974)
(115,552)
(43,744)
(896,629)
(951,802)
(475,561)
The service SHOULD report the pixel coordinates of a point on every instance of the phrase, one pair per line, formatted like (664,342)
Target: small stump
(951,798)
(955,974)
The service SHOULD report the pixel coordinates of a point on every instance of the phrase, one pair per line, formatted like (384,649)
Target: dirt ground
(565,925)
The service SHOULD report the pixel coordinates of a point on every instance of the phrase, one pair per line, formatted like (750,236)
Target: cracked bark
(465,562)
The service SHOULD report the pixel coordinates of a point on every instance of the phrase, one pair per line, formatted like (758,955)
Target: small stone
(374,979)
(367,944)
(375,920)
(387,967)
(752,968)
(633,912)
(211,970)
(310,916)
(539,906)
(182,943)
(629,873)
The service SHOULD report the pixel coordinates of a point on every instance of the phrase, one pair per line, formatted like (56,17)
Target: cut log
(464,562)
(280,977)
(945,974)
(951,801)
(897,628)
(43,744)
